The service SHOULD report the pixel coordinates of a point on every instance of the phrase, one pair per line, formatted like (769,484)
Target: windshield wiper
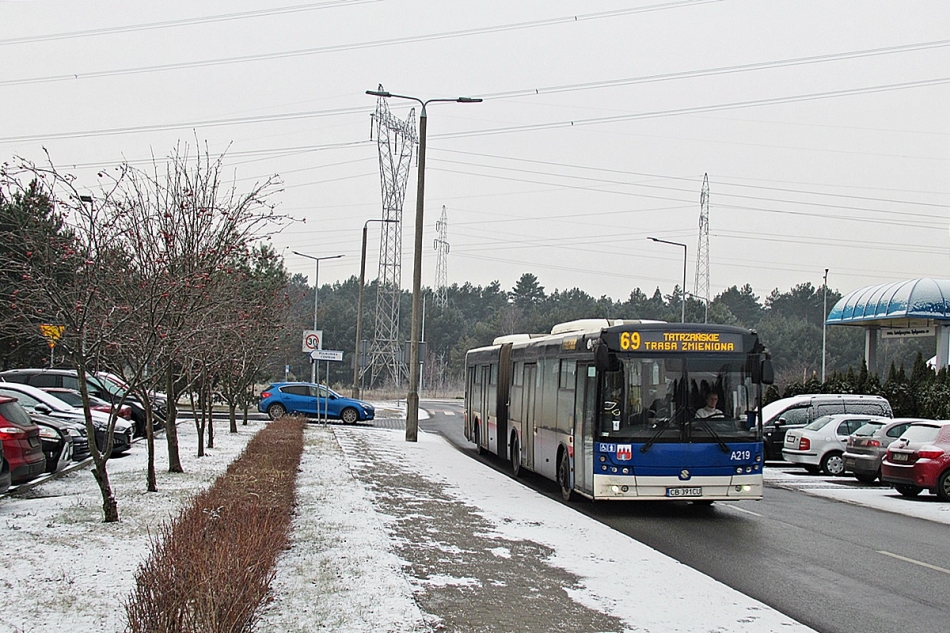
(705,425)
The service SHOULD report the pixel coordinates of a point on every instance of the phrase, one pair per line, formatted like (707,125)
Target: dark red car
(22,446)
(920,460)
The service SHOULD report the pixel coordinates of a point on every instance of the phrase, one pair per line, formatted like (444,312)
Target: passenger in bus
(710,410)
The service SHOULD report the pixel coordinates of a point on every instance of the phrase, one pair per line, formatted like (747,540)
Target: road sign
(326,354)
(312,339)
(52,333)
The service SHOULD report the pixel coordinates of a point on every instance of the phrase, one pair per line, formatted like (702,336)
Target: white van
(797,411)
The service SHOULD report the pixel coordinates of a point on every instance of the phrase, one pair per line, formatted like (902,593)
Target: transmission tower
(701,288)
(395,139)
(442,250)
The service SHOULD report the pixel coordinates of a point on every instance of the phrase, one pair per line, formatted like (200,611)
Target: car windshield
(869,429)
(819,423)
(679,399)
(74,399)
(109,385)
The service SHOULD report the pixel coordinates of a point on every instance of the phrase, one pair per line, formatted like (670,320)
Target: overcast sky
(822,126)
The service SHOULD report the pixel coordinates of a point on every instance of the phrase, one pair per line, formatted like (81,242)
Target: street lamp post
(359,311)
(824,317)
(683,311)
(316,287)
(412,398)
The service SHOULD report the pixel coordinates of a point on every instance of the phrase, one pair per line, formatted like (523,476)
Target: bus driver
(710,410)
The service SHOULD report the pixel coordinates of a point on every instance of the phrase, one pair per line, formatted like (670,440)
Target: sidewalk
(397,536)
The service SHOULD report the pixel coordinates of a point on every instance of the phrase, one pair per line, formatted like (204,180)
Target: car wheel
(943,486)
(907,491)
(866,478)
(349,416)
(832,464)
(564,477)
(276,411)
(515,458)
(811,469)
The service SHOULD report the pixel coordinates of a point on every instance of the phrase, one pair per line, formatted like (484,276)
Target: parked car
(312,400)
(820,445)
(57,438)
(4,472)
(780,416)
(74,399)
(100,387)
(22,447)
(920,460)
(866,446)
(38,401)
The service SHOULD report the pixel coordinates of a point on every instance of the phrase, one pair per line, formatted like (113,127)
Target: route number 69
(629,341)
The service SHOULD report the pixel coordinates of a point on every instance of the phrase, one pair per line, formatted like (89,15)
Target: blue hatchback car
(312,400)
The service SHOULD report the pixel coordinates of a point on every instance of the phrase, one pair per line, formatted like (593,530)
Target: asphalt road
(837,567)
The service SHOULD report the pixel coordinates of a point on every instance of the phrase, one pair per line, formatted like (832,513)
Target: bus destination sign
(682,341)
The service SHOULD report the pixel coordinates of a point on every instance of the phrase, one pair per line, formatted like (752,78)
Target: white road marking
(728,505)
(915,562)
(448,413)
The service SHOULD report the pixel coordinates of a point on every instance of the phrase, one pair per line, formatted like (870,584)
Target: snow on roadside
(618,576)
(340,573)
(63,568)
(878,496)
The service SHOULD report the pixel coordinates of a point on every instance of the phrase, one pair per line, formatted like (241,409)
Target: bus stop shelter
(916,307)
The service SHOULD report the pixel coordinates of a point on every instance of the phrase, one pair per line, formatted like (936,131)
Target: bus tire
(478,439)
(515,457)
(564,477)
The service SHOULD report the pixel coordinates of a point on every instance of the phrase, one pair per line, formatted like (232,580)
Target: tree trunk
(171,416)
(199,423)
(209,408)
(110,508)
(151,483)
(232,414)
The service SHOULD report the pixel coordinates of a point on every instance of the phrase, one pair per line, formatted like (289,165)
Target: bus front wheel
(564,477)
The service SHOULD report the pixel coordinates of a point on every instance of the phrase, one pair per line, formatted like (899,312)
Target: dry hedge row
(209,570)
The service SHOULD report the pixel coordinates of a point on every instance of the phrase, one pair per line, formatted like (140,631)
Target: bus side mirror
(601,358)
(768,374)
(604,360)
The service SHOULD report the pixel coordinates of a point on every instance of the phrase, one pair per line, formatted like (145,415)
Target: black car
(57,438)
(96,386)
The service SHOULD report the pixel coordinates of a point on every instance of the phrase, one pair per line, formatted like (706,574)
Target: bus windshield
(679,399)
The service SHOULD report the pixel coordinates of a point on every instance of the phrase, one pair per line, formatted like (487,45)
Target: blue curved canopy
(900,302)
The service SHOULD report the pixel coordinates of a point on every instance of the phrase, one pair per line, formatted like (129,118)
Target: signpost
(327,355)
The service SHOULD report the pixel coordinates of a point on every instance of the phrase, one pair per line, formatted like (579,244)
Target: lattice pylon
(441,246)
(395,140)
(701,287)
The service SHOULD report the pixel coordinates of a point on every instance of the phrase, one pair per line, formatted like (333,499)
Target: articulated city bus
(627,409)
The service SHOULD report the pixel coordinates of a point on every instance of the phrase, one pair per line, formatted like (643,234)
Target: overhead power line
(356,45)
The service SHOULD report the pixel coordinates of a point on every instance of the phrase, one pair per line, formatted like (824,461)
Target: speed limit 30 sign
(312,339)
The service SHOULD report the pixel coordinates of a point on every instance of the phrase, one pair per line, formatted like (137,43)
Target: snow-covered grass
(63,568)
(387,536)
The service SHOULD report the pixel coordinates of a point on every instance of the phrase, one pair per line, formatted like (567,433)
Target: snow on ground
(63,568)
(848,489)
(347,569)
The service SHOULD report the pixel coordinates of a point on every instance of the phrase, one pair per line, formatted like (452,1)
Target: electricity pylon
(701,288)
(395,139)
(441,246)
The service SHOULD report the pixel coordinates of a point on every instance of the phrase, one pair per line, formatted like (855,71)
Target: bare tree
(68,280)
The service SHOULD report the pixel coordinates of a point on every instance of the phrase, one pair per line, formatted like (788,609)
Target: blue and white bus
(615,409)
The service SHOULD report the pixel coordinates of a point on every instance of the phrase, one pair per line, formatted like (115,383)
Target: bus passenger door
(527,414)
(585,414)
(484,373)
